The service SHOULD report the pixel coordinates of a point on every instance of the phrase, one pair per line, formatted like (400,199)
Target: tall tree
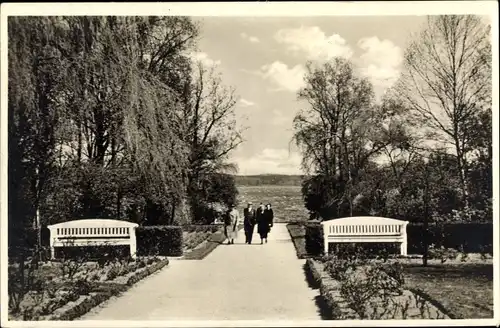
(213,132)
(35,72)
(341,131)
(447,79)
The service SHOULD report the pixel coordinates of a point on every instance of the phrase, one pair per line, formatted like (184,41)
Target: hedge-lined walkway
(234,282)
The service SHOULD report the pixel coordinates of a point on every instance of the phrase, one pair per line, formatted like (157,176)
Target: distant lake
(286,200)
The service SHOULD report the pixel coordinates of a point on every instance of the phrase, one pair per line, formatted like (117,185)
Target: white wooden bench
(365,229)
(93,232)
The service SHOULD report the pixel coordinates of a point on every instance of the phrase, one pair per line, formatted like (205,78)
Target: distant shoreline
(268,180)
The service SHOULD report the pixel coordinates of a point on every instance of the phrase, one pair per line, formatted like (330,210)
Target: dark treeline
(268,180)
(424,150)
(111,117)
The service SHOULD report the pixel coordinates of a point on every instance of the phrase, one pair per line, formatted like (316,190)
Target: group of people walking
(262,217)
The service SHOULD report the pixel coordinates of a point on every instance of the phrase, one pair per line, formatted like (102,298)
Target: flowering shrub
(370,290)
(374,288)
(36,290)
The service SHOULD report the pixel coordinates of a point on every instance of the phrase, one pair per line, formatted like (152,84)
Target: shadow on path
(319,300)
(311,282)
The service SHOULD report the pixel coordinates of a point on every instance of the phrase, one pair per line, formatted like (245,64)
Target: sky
(264,59)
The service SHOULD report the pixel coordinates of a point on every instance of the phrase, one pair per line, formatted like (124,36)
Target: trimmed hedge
(159,240)
(81,306)
(472,237)
(314,239)
(298,234)
(202,227)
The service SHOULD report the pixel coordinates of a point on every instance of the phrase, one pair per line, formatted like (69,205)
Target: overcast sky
(264,59)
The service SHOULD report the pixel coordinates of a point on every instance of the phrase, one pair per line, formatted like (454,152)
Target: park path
(234,282)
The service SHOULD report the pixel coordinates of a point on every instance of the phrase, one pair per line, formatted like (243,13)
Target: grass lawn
(465,290)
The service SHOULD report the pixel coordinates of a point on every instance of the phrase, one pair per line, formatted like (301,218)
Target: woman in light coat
(231,224)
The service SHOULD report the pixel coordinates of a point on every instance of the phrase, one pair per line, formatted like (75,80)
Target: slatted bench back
(365,229)
(92,228)
(93,231)
(372,229)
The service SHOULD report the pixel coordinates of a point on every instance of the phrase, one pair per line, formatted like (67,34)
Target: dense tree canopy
(109,118)
(430,134)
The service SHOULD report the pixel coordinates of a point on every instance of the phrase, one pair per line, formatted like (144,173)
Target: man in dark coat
(248,222)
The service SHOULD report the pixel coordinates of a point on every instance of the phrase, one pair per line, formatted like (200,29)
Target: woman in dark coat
(261,223)
(269,214)
(266,222)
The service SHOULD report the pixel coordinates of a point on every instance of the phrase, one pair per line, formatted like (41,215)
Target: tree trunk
(462,171)
(426,218)
(36,208)
(118,204)
(100,137)
(79,147)
(172,213)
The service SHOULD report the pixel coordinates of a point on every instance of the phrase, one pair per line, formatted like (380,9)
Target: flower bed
(193,239)
(196,235)
(68,289)
(368,291)
(208,245)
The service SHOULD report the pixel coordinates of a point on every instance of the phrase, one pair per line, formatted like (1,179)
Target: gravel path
(234,282)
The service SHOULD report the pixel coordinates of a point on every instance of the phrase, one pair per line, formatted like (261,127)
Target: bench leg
(325,242)
(52,253)
(404,247)
(133,244)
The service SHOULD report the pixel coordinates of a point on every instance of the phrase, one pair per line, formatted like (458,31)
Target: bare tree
(447,79)
(212,131)
(405,143)
(340,131)
(210,116)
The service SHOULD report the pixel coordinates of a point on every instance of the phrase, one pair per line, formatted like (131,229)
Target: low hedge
(159,240)
(471,237)
(297,234)
(81,306)
(202,227)
(296,230)
(314,239)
